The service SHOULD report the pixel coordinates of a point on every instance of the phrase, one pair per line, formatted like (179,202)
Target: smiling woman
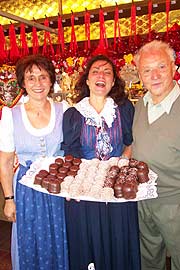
(37,81)
(100,80)
(99,127)
(34,130)
(33,67)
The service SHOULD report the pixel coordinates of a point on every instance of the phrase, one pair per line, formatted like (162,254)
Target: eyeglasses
(40,79)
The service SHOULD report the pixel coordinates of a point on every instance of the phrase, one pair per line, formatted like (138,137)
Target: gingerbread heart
(10,92)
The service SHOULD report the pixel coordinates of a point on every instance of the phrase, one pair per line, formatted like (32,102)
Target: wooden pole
(60,11)
(27,22)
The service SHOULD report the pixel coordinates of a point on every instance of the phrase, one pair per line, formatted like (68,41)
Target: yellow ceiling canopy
(38,10)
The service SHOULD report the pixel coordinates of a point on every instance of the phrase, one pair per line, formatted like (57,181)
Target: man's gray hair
(155,45)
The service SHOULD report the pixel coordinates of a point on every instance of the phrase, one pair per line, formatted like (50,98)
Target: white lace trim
(108,112)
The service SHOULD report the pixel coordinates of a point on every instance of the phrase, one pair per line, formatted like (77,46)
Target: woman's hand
(10,210)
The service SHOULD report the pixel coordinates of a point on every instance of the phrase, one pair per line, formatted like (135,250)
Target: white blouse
(6,126)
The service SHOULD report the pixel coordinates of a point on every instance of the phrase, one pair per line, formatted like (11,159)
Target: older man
(156,132)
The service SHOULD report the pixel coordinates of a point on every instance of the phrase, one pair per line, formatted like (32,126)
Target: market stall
(69,36)
(74,35)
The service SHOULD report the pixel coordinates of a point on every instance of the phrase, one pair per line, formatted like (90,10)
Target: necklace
(37,112)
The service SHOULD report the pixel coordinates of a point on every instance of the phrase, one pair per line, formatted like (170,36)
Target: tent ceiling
(142,8)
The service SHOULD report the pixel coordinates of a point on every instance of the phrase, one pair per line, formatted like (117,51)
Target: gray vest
(158,144)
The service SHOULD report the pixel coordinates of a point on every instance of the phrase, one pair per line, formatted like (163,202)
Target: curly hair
(26,63)
(117,92)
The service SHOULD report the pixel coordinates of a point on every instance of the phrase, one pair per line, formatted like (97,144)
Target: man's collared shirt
(156,110)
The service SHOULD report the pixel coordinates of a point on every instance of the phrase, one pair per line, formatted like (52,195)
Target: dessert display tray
(89,173)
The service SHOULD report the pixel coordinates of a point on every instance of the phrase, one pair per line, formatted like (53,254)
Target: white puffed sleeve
(65,105)
(6,131)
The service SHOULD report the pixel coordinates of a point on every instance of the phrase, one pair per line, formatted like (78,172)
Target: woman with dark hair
(27,64)
(101,236)
(117,91)
(33,130)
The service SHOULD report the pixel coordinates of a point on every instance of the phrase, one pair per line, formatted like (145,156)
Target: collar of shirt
(108,113)
(156,110)
(167,102)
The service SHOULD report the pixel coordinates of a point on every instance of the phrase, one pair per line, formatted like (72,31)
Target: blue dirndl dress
(100,235)
(39,235)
